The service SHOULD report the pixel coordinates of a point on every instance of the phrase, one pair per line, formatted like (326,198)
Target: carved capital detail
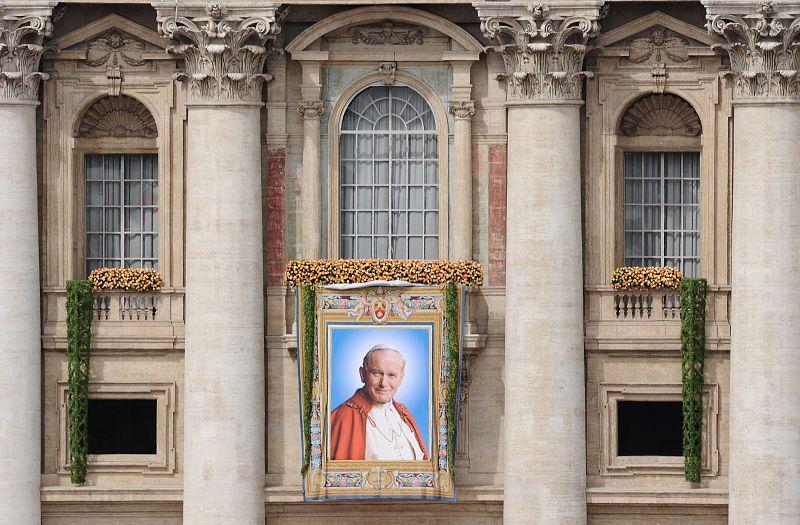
(763,48)
(311,109)
(462,109)
(20,51)
(543,54)
(224,54)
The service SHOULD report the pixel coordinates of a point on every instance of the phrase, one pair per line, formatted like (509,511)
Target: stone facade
(536,106)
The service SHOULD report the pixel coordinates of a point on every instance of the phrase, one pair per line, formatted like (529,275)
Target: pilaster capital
(463,109)
(311,109)
(763,48)
(542,50)
(21,49)
(224,51)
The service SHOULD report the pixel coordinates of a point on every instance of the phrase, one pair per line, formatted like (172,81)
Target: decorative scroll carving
(224,54)
(20,51)
(763,52)
(543,54)
(311,109)
(115,49)
(462,109)
(387,71)
(661,46)
(389,34)
(661,115)
(121,116)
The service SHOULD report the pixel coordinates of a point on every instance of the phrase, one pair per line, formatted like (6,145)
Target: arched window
(389,176)
(121,184)
(662,184)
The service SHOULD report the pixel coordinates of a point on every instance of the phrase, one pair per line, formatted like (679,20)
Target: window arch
(389,175)
(661,183)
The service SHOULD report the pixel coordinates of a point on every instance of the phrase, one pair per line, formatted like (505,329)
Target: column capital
(542,49)
(224,51)
(311,109)
(21,49)
(463,109)
(763,48)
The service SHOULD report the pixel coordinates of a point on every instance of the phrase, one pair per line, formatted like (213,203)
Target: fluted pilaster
(20,331)
(462,112)
(311,198)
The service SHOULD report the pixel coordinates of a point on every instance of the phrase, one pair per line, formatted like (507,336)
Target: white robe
(389,438)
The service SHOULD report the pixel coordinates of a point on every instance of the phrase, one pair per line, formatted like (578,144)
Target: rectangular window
(650,428)
(122,426)
(121,211)
(662,210)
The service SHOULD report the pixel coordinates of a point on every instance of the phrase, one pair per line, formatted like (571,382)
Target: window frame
(444,135)
(84,147)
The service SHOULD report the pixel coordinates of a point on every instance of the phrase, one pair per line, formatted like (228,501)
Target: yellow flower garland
(130,279)
(301,272)
(646,278)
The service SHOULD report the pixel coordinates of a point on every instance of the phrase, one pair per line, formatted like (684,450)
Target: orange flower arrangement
(301,272)
(130,279)
(646,278)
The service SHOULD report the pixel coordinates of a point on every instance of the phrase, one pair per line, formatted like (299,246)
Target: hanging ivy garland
(309,333)
(693,346)
(451,315)
(79,333)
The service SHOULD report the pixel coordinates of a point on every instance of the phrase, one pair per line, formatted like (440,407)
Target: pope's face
(383,375)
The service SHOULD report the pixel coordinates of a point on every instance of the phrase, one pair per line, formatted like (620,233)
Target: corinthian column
(20,330)
(224,399)
(311,190)
(764,482)
(462,112)
(545,437)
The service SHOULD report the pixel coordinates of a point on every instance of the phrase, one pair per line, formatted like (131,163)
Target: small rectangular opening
(650,428)
(122,426)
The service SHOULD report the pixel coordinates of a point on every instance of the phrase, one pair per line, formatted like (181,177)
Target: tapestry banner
(379,390)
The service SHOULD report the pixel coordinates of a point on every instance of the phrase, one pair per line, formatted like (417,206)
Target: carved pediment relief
(658,44)
(115,48)
(120,116)
(108,35)
(388,34)
(659,32)
(661,115)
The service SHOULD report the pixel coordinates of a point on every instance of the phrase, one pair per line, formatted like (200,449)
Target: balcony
(632,321)
(133,320)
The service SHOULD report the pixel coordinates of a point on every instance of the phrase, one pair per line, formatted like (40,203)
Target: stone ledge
(294,494)
(688,497)
(69,494)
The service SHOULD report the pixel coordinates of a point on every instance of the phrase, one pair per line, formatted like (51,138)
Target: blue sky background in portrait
(349,342)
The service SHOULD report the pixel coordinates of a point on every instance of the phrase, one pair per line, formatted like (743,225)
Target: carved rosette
(311,109)
(224,54)
(462,109)
(763,52)
(543,54)
(20,51)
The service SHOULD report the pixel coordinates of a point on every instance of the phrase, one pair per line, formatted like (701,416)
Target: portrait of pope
(372,425)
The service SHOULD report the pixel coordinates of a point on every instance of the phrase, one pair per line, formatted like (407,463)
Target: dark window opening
(650,428)
(122,426)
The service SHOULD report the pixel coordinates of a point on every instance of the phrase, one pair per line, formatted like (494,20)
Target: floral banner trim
(300,272)
(646,278)
(129,279)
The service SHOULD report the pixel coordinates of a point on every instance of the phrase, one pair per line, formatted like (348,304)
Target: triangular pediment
(642,28)
(104,27)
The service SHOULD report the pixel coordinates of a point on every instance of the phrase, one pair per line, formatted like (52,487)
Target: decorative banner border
(374,308)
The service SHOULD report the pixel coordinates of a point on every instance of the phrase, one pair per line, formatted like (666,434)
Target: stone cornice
(20,51)
(224,52)
(763,48)
(542,50)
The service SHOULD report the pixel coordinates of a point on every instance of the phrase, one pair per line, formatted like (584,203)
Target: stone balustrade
(145,320)
(642,320)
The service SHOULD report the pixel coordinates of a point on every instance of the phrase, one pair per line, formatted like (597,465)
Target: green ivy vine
(693,348)
(451,314)
(79,334)
(309,334)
